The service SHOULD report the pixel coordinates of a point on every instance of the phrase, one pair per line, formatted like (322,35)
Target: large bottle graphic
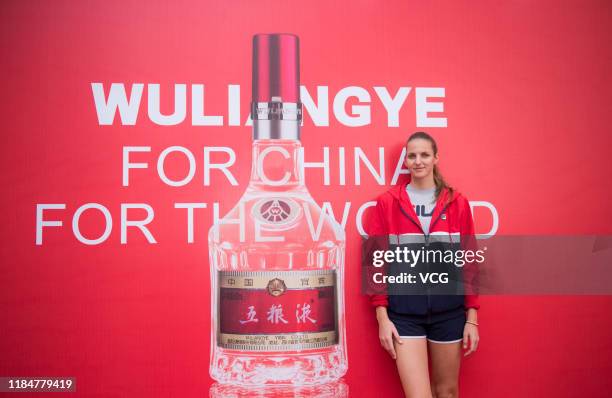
(276,259)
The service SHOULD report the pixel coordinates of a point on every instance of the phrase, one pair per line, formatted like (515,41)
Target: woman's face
(420,159)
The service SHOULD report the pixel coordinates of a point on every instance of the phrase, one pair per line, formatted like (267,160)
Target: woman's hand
(387,333)
(471,338)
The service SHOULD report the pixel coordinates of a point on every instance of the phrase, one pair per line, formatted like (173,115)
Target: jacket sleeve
(470,269)
(377,239)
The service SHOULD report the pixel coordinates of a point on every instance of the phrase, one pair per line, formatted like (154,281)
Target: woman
(438,320)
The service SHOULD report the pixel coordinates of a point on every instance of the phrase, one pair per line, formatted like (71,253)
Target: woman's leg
(445,363)
(412,367)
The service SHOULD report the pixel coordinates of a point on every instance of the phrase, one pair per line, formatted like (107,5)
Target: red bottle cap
(276,68)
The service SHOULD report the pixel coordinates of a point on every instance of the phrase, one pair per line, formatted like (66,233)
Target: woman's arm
(471,336)
(378,239)
(470,269)
(387,331)
(472,315)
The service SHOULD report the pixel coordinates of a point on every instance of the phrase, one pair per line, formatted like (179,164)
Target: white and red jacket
(394,223)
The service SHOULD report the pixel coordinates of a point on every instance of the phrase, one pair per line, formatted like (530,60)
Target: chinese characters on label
(275,314)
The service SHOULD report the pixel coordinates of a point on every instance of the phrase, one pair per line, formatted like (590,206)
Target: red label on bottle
(283,310)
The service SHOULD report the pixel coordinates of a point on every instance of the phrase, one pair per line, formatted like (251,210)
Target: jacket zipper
(426,244)
(433,223)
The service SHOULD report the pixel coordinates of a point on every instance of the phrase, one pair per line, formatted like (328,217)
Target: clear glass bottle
(276,259)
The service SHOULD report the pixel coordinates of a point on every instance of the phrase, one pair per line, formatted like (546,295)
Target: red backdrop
(525,93)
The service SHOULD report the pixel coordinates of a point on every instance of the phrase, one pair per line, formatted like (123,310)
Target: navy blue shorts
(445,327)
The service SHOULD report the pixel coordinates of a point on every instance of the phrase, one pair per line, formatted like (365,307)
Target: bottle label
(277,310)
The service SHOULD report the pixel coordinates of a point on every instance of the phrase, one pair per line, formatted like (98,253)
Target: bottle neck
(277,165)
(276,120)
